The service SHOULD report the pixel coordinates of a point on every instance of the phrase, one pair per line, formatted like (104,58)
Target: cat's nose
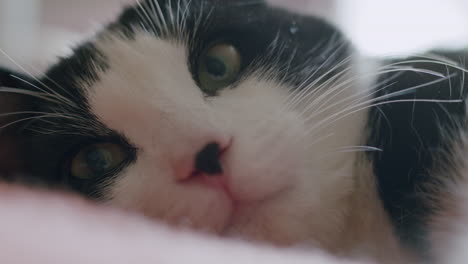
(207,160)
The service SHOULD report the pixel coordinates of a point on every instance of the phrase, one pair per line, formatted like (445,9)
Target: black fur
(417,139)
(11,144)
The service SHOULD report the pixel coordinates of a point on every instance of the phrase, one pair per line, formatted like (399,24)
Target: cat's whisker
(186,15)
(362,94)
(348,112)
(357,99)
(317,140)
(310,90)
(31,118)
(306,81)
(39,95)
(60,99)
(197,23)
(171,17)
(347,101)
(181,19)
(49,91)
(157,17)
(365,92)
(438,62)
(146,17)
(312,101)
(157,10)
(386,96)
(304,87)
(22,113)
(359,149)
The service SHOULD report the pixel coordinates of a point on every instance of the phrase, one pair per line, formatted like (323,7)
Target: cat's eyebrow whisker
(51,80)
(197,23)
(61,99)
(50,90)
(43,96)
(180,19)
(145,16)
(158,10)
(184,20)
(153,16)
(171,16)
(60,87)
(49,115)
(23,113)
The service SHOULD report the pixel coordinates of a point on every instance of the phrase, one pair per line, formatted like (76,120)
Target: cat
(245,120)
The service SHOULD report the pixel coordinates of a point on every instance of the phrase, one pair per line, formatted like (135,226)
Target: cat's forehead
(270,37)
(267,37)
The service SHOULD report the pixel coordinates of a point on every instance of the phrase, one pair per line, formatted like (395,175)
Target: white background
(36,31)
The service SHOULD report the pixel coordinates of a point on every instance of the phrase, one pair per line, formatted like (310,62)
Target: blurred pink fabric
(46,228)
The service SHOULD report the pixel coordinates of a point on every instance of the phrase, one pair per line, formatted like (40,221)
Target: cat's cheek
(257,172)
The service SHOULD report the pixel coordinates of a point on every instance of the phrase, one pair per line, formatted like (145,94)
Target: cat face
(225,116)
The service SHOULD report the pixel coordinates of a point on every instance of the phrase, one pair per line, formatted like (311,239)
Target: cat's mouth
(209,168)
(238,191)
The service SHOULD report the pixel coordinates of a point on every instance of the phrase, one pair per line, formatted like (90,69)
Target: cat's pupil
(216,67)
(99,160)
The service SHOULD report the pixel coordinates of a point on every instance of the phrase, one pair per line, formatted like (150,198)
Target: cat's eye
(97,160)
(219,66)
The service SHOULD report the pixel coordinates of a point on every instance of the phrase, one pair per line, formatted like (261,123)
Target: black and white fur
(322,147)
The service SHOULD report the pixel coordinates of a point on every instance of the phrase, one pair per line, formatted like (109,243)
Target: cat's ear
(13,105)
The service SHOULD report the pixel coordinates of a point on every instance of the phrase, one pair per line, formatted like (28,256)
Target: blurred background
(35,32)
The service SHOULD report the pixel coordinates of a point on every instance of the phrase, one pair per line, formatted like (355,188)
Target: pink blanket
(40,228)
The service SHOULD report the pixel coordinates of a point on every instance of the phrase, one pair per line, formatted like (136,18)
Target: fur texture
(315,145)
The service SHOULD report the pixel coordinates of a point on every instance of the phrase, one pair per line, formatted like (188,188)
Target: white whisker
(50,91)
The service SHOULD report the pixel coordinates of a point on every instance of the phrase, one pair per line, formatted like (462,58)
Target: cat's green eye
(219,66)
(97,160)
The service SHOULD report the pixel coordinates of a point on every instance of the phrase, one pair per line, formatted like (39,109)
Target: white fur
(288,183)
